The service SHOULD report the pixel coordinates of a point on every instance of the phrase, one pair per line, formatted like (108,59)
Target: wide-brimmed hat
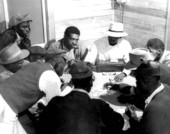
(18,18)
(116,29)
(136,56)
(12,53)
(80,70)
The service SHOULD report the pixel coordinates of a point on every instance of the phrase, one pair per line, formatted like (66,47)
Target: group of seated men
(30,75)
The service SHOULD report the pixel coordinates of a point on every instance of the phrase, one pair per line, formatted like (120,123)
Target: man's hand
(130,112)
(120,77)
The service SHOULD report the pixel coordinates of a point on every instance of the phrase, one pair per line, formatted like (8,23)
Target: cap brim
(116,34)
(130,66)
(24,54)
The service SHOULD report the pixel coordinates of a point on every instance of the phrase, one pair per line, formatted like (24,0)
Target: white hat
(136,57)
(116,30)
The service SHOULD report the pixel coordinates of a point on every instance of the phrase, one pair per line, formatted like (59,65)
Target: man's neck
(66,45)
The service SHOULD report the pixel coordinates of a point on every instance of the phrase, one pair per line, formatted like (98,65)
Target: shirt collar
(81,90)
(159,89)
(163,57)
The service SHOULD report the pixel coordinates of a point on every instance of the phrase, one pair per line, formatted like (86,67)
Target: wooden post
(167,30)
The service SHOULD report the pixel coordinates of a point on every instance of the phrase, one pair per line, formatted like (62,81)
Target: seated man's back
(77,113)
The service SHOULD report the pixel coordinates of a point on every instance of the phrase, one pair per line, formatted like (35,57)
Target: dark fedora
(80,70)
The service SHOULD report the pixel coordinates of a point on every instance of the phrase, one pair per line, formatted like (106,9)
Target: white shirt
(165,59)
(148,100)
(50,84)
(101,50)
(81,90)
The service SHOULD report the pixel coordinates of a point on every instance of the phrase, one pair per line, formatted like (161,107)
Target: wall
(144,19)
(92,17)
(2,17)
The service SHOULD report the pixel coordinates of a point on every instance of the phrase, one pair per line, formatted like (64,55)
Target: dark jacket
(156,117)
(76,113)
(165,74)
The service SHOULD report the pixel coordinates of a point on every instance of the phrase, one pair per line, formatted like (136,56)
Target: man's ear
(160,51)
(143,60)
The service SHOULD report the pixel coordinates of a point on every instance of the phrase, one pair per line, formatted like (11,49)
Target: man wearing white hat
(111,48)
(136,56)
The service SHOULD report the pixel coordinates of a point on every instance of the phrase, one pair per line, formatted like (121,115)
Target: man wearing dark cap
(21,25)
(77,113)
(156,116)
(37,53)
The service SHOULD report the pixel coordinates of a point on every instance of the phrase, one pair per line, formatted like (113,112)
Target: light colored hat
(17,19)
(136,56)
(116,30)
(12,53)
(80,70)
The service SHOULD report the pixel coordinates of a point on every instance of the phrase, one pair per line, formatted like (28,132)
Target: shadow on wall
(2,26)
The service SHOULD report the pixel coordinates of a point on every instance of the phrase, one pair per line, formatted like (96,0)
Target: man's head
(115,32)
(37,53)
(11,56)
(156,48)
(71,37)
(82,76)
(147,77)
(136,56)
(21,24)
(56,57)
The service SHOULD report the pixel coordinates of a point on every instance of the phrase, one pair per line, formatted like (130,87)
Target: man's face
(144,83)
(156,54)
(14,67)
(113,40)
(24,29)
(71,41)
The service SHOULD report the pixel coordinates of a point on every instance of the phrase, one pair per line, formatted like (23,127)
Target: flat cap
(17,19)
(80,70)
(37,50)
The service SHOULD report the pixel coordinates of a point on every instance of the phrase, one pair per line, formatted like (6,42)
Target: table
(110,96)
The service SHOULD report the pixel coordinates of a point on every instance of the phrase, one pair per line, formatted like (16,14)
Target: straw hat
(116,29)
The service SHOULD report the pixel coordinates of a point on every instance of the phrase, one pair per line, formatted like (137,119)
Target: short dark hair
(71,30)
(156,44)
(7,37)
(83,83)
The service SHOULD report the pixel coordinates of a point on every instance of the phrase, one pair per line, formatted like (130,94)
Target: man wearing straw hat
(112,48)
(21,91)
